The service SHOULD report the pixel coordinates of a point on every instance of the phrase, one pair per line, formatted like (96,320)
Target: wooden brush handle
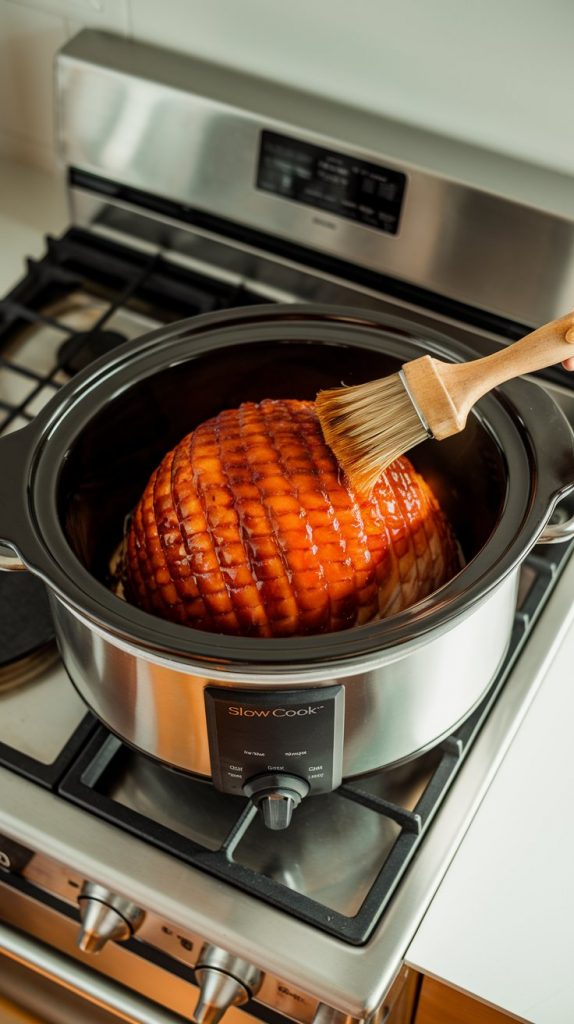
(446,392)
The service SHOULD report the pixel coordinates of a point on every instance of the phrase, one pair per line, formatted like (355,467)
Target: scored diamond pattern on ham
(250,527)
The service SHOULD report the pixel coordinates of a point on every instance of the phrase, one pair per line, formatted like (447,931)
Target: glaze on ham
(249,527)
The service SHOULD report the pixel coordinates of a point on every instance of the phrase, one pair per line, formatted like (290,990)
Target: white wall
(497,72)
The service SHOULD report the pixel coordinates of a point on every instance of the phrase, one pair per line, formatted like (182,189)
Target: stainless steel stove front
(150,978)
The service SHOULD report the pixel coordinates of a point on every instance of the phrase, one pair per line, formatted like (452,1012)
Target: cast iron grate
(121,277)
(81,785)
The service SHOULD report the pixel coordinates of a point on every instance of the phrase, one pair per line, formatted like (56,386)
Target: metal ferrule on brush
(416,407)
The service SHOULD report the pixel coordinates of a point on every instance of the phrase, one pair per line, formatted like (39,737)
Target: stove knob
(277,796)
(224,981)
(105,916)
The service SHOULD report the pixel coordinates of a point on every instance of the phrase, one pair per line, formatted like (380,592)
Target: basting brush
(369,425)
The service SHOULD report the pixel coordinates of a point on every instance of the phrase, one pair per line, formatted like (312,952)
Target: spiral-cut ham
(250,527)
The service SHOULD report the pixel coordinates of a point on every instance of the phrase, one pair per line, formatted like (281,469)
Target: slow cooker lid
(103,435)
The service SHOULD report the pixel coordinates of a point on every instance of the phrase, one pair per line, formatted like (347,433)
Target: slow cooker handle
(559,532)
(17,539)
(551,435)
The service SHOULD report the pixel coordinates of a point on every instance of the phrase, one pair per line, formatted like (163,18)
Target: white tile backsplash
(108,14)
(28,41)
(31,31)
(28,150)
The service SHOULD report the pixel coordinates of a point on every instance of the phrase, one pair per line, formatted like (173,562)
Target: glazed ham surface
(249,527)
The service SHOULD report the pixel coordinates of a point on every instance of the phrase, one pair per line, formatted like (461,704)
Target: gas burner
(80,349)
(26,630)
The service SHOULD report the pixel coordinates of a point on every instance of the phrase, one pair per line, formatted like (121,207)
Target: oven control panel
(287,734)
(335,182)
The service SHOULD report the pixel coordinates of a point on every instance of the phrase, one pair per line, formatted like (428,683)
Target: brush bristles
(369,426)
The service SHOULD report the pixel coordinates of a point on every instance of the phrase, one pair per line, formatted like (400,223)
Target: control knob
(105,916)
(276,796)
(224,981)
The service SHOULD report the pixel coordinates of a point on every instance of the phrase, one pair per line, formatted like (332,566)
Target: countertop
(501,926)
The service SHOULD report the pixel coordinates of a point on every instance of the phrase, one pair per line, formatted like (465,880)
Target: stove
(195,189)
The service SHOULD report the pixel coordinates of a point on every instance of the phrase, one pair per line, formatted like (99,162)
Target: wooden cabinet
(440,1004)
(12,1014)
(401,1002)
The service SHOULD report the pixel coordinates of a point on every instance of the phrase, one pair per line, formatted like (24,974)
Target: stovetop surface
(345,853)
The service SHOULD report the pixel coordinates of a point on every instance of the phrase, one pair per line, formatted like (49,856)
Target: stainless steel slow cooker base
(393,710)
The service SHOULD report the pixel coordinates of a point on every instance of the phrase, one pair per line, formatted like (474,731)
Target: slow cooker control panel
(294,733)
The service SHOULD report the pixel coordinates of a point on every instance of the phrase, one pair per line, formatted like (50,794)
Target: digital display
(335,182)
